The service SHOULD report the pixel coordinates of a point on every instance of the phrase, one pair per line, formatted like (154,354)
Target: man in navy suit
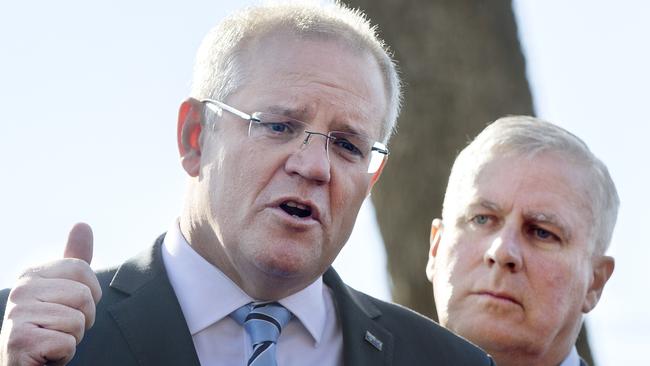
(519,254)
(282,139)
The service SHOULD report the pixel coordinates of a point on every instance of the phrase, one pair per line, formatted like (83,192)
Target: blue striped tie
(263,322)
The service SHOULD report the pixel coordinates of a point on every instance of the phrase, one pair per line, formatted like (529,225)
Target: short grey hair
(219,66)
(529,136)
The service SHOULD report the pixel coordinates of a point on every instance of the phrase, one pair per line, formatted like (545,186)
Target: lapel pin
(370,338)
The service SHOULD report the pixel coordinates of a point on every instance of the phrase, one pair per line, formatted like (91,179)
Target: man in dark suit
(519,254)
(282,139)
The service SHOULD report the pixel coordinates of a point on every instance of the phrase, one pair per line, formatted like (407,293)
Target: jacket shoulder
(413,338)
(417,333)
(4,296)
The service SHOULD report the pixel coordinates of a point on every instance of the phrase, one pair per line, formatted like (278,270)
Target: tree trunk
(462,67)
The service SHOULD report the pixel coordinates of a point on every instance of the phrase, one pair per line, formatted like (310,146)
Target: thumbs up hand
(80,243)
(51,307)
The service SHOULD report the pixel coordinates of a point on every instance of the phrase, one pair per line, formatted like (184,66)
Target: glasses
(345,149)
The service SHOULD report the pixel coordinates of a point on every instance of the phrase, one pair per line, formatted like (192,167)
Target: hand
(51,307)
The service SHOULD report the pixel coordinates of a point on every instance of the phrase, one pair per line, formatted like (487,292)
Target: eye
(480,219)
(543,234)
(346,146)
(276,129)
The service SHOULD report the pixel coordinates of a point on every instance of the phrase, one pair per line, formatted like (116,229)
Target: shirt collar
(572,359)
(308,305)
(206,295)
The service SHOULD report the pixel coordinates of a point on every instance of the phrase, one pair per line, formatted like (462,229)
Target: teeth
(297,205)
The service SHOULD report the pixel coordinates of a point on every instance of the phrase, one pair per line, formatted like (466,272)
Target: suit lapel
(153,324)
(365,342)
(150,318)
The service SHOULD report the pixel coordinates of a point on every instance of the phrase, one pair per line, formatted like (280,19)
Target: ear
(602,271)
(375,176)
(434,241)
(190,123)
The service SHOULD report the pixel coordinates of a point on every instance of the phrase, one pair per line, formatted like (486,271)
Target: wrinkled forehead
(307,76)
(286,42)
(472,172)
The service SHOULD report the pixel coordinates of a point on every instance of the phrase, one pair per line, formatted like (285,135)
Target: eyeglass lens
(349,150)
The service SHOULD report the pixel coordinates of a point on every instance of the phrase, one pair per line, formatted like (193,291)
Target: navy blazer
(139,322)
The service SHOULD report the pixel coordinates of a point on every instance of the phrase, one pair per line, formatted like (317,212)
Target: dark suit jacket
(139,322)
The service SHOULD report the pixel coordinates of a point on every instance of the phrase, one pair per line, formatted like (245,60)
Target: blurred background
(89,94)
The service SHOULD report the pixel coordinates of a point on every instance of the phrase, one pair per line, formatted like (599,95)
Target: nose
(505,251)
(310,161)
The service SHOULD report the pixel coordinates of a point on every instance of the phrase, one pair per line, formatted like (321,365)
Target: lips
(298,208)
(498,295)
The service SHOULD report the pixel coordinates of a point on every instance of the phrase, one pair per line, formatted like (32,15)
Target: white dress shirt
(572,359)
(207,297)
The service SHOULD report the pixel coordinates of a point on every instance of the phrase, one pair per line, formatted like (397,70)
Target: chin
(494,338)
(282,266)
(279,271)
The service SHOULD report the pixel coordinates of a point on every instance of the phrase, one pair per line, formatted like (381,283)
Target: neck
(258,284)
(514,358)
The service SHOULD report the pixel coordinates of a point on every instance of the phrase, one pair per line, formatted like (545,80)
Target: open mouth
(296,209)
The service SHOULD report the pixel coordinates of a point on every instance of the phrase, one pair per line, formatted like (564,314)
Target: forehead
(312,78)
(545,183)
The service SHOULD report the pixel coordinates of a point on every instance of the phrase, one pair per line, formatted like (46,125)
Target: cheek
(447,284)
(242,168)
(557,284)
(346,196)
(457,268)
(463,254)
(231,190)
(450,270)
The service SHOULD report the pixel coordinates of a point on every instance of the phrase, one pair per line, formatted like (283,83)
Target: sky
(89,93)
(588,67)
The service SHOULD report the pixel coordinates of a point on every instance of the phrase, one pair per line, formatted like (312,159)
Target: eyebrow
(344,127)
(288,112)
(487,204)
(492,206)
(551,219)
(535,216)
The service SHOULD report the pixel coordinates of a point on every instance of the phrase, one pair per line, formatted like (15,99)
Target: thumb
(80,243)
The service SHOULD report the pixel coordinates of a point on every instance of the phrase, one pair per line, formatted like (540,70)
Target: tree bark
(462,67)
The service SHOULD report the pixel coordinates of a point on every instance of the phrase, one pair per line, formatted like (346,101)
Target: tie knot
(262,321)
